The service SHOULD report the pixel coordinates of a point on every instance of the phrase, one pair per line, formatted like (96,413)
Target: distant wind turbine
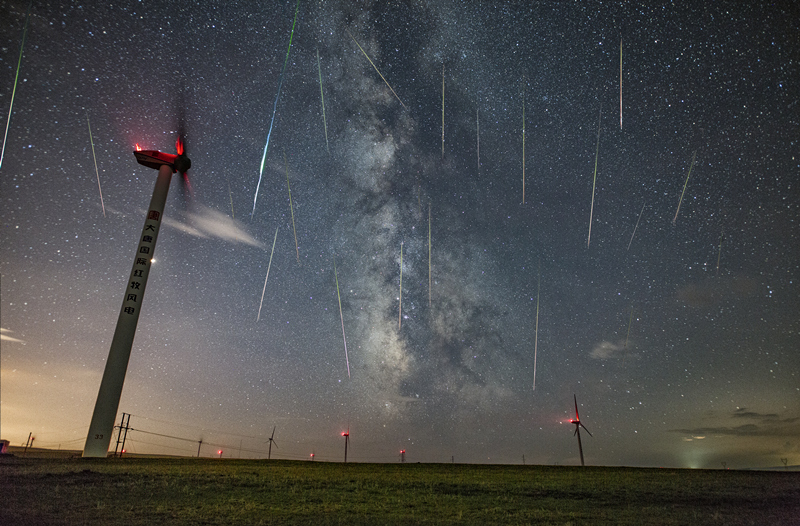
(346,436)
(578,426)
(272,441)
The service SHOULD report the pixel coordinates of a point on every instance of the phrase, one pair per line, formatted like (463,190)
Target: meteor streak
(230,196)
(274,109)
(16,78)
(637,226)
(478,135)
(620,83)
(400,308)
(291,207)
(536,341)
(523,143)
(719,253)
(91,140)
(376,68)
(429,254)
(594,181)
(442,110)
(265,279)
(694,155)
(322,98)
(339,297)
(625,349)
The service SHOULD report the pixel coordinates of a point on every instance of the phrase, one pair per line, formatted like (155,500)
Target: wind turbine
(98,437)
(578,426)
(271,441)
(346,436)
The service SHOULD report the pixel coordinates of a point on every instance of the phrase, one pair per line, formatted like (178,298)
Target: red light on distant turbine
(346,434)
(138,148)
(179,146)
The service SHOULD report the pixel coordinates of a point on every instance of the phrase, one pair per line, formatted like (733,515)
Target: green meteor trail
(16,78)
(275,109)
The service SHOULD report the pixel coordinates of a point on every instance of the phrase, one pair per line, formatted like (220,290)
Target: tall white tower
(105,409)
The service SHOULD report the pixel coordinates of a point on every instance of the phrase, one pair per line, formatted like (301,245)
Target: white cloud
(6,338)
(206,222)
(606,350)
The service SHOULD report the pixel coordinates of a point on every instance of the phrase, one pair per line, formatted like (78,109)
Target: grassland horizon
(58,487)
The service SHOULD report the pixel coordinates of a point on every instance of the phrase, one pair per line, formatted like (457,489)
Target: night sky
(680,340)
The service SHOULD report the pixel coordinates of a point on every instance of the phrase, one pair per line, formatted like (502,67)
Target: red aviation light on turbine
(346,434)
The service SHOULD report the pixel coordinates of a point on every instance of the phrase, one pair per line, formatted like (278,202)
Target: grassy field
(134,491)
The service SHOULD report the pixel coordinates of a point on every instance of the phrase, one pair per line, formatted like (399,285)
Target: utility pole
(123,424)
(125,436)
(27,443)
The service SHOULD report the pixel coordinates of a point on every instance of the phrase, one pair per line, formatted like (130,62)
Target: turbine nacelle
(156,159)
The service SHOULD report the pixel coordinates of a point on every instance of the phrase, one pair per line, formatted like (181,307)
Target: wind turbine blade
(576,431)
(584,428)
(273,433)
(276,444)
(576,408)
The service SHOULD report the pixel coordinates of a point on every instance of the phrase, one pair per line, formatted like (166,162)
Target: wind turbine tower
(346,436)
(107,404)
(578,426)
